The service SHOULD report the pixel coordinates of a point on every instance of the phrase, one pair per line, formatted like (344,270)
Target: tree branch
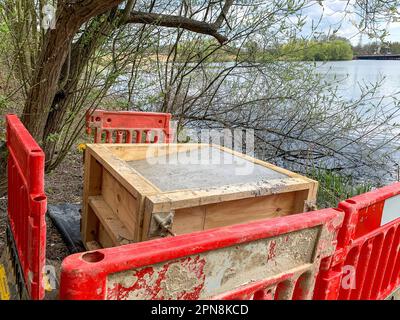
(224,12)
(89,8)
(173,21)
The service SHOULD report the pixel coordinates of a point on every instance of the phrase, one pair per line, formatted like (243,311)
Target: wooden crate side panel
(124,205)
(90,223)
(136,184)
(251,209)
(301,200)
(117,231)
(163,202)
(189,220)
(307,199)
(313,191)
(235,212)
(92,187)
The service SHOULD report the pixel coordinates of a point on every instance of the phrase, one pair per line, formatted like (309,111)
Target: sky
(334,15)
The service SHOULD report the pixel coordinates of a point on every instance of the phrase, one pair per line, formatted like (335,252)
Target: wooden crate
(135,192)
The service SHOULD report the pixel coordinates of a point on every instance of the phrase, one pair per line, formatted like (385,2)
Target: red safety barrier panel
(267,259)
(366,264)
(129,126)
(27,203)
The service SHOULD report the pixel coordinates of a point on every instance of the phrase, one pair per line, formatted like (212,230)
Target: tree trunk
(55,50)
(46,78)
(77,59)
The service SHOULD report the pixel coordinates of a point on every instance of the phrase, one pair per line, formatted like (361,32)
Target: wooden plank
(144,151)
(313,191)
(189,220)
(123,204)
(117,231)
(164,202)
(92,186)
(134,182)
(300,200)
(237,211)
(104,239)
(250,209)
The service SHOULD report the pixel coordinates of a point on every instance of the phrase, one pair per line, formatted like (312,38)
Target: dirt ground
(62,185)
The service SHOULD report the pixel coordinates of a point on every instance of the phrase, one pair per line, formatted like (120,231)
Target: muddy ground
(62,185)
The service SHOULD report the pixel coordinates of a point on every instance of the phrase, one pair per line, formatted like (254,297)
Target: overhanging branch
(174,21)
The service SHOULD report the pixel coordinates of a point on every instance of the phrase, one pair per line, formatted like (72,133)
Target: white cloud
(337,14)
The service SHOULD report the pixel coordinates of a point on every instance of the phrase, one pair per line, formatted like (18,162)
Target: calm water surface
(368,72)
(356,72)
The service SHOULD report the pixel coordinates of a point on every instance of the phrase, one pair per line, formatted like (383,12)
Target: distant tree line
(253,51)
(376,48)
(329,50)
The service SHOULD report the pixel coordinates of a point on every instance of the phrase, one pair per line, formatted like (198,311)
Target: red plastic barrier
(27,203)
(267,259)
(366,264)
(129,126)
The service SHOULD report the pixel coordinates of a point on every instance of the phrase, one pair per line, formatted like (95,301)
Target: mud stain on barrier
(183,280)
(215,272)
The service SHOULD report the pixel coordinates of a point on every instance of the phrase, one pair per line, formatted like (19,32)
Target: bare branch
(224,12)
(174,21)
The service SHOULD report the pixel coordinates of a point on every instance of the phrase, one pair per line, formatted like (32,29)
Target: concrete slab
(200,169)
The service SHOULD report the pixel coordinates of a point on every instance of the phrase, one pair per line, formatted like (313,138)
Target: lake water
(367,73)
(356,72)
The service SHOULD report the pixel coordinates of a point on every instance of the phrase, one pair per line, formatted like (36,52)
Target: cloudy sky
(334,15)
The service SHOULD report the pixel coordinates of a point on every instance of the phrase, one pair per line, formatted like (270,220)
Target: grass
(335,187)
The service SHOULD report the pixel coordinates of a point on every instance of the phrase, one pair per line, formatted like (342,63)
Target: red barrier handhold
(129,126)
(27,203)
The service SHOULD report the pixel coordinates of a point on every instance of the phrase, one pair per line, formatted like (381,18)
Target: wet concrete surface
(200,169)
